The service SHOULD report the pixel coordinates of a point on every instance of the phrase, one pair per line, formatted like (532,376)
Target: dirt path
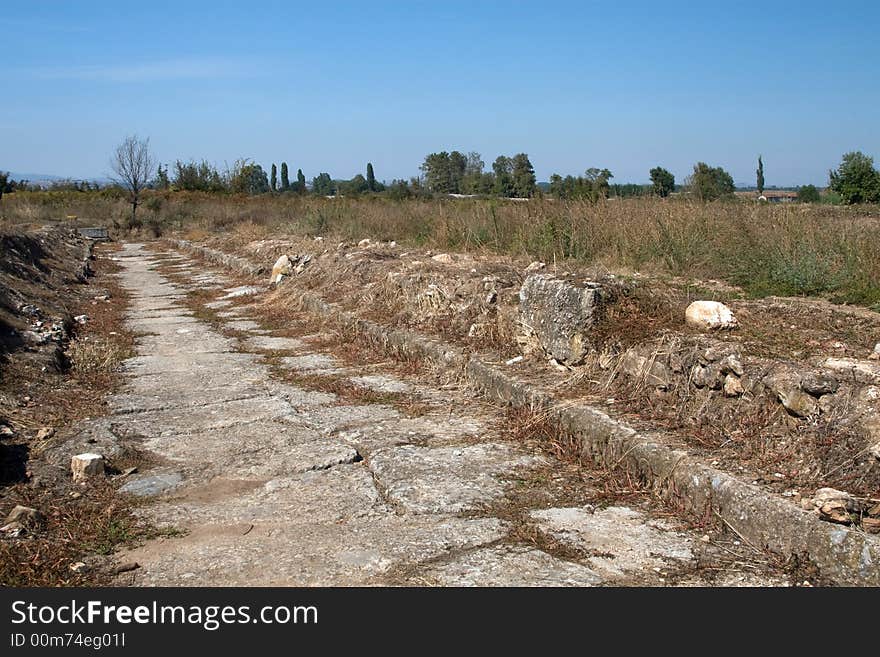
(274,484)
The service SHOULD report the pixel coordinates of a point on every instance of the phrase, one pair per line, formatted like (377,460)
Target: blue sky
(329,86)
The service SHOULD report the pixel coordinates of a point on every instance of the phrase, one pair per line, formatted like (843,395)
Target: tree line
(855,180)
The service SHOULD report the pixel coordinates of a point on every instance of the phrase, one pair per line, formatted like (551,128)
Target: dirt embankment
(39,273)
(61,341)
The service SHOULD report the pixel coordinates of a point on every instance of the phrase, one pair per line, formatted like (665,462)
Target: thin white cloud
(42,26)
(158,71)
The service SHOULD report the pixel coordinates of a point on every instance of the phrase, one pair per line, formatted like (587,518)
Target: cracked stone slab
(299,398)
(271,343)
(317,363)
(334,494)
(188,339)
(507,565)
(446,479)
(624,541)
(151,485)
(333,418)
(173,311)
(159,324)
(209,417)
(382,383)
(196,364)
(243,325)
(433,430)
(260,449)
(305,551)
(187,397)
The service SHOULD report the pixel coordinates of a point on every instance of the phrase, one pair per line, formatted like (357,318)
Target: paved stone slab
(196,364)
(313,553)
(329,419)
(629,543)
(191,339)
(505,565)
(269,343)
(151,485)
(214,416)
(382,383)
(312,363)
(445,479)
(243,325)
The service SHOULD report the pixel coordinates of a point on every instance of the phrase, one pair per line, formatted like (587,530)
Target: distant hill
(33,177)
(46,179)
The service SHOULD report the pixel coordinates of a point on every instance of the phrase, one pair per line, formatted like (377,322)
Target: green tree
(502,167)
(285,179)
(300,182)
(856,180)
(354,187)
(322,185)
(457,171)
(522,176)
(472,182)
(197,176)
(4,181)
(663,181)
(371,177)
(248,178)
(399,190)
(760,173)
(710,183)
(808,194)
(437,170)
(273,179)
(598,180)
(160,182)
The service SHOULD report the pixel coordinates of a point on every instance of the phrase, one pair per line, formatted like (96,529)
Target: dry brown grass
(788,249)
(94,524)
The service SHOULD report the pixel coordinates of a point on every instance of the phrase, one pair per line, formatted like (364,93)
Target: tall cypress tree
(371,177)
(760,173)
(273,179)
(285,181)
(300,181)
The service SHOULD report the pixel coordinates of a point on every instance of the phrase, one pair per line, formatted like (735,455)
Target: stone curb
(844,556)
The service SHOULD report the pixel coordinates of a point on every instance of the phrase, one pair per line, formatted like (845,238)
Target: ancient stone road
(272,484)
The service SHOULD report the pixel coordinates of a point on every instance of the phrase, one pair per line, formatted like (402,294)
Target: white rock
(875,355)
(87,465)
(280,269)
(364,243)
(733,387)
(535,266)
(443,258)
(835,505)
(709,315)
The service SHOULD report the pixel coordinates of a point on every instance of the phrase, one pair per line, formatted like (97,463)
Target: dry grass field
(786,250)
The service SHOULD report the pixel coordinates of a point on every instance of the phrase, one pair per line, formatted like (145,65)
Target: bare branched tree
(133,164)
